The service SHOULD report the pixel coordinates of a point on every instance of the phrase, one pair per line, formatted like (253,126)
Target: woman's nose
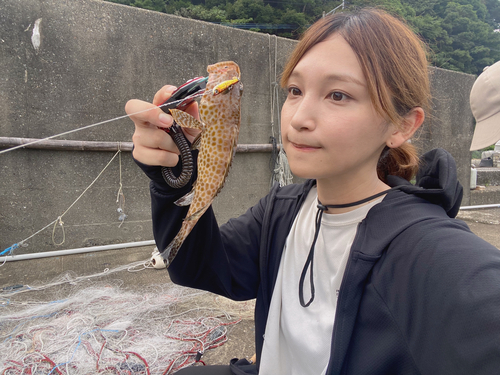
(305,115)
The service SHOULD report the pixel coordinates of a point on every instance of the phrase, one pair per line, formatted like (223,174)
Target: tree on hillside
(493,7)
(460,33)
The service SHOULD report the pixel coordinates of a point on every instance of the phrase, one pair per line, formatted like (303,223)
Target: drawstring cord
(310,258)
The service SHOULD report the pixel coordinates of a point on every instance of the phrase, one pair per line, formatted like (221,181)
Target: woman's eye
(294,91)
(338,96)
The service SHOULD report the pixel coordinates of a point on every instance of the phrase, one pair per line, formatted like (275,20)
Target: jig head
(186,94)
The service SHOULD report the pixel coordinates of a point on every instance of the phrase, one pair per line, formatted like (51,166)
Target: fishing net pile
(102,329)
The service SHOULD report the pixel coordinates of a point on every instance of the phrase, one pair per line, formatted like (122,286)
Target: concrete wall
(449,124)
(93,57)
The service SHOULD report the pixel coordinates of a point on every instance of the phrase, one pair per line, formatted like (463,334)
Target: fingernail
(165,119)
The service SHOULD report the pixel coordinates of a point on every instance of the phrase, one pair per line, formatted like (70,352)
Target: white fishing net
(103,329)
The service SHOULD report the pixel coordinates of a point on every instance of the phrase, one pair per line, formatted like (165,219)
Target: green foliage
(255,10)
(199,12)
(156,5)
(476,154)
(459,33)
(493,7)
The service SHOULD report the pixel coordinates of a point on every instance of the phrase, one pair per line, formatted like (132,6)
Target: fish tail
(173,248)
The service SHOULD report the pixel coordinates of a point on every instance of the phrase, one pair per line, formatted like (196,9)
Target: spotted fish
(219,125)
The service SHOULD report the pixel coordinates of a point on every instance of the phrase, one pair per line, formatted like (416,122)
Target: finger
(150,156)
(147,115)
(163,94)
(154,138)
(143,113)
(192,109)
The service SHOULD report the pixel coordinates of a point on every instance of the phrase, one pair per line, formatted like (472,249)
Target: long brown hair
(394,63)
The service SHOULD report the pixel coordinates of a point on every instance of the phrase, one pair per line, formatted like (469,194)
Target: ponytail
(402,161)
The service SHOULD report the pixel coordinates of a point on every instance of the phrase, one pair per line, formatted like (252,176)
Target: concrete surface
(488,176)
(484,196)
(93,57)
(487,186)
(449,124)
(484,222)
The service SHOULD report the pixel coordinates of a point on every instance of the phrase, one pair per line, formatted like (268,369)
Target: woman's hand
(152,145)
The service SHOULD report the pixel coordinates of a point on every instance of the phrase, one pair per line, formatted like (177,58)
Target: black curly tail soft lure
(185,94)
(187,163)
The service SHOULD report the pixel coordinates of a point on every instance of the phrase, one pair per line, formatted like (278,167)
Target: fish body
(219,124)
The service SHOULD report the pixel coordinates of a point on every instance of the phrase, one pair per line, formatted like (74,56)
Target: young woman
(355,271)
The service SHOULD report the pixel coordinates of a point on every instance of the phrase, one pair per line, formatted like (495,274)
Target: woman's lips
(303,147)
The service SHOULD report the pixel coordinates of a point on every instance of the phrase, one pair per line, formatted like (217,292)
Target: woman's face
(329,126)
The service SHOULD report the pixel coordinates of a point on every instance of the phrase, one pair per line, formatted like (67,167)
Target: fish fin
(185,120)
(172,249)
(186,200)
(196,215)
(196,142)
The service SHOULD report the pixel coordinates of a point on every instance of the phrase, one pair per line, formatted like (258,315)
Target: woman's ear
(411,122)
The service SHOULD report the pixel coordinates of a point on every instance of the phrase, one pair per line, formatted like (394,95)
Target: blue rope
(10,249)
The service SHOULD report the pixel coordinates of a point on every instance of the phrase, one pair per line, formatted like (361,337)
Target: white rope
(59,218)
(120,197)
(281,172)
(92,183)
(61,223)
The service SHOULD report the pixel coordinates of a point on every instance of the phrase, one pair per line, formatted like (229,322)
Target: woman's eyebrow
(344,78)
(334,77)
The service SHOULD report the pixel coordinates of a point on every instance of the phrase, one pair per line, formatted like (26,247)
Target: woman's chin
(304,173)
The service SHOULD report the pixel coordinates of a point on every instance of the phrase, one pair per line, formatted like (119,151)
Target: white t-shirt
(298,339)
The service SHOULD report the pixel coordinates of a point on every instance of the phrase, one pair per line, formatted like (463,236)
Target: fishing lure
(219,125)
(180,99)
(225,86)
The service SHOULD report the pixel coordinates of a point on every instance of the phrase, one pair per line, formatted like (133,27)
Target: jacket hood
(436,181)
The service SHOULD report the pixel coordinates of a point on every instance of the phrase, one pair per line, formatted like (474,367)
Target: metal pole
(480,206)
(90,249)
(68,145)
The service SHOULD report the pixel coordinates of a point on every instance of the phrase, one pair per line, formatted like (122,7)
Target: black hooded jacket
(420,293)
